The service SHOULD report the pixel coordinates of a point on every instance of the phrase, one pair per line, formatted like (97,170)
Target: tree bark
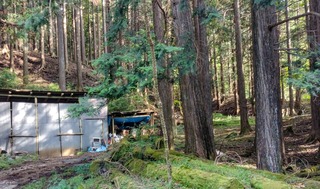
(65,35)
(222,86)
(95,51)
(25,61)
(104,25)
(61,50)
(83,45)
(314,37)
(267,88)
(50,27)
(195,79)
(165,86)
(216,76)
(78,48)
(288,33)
(245,127)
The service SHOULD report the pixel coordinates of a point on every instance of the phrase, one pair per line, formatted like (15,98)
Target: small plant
(8,79)
(7,161)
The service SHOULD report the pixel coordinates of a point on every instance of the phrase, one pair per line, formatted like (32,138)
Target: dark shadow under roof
(132,113)
(12,95)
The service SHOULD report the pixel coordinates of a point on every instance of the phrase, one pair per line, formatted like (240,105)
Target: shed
(37,122)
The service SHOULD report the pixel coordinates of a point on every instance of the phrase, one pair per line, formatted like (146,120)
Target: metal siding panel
(49,143)
(91,128)
(23,115)
(70,144)
(5,125)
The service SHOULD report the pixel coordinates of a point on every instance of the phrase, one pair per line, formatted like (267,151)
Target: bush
(8,79)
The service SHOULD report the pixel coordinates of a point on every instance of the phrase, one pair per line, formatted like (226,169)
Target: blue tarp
(128,122)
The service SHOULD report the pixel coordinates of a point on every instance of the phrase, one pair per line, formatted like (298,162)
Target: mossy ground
(139,163)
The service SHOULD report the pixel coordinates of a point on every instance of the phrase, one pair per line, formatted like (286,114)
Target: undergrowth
(7,162)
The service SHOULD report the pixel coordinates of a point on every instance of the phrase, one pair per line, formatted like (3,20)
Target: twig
(292,18)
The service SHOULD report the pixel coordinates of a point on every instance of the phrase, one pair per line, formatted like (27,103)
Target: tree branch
(271,26)
(164,17)
(9,23)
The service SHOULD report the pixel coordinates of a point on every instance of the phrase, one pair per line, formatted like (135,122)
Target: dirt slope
(50,72)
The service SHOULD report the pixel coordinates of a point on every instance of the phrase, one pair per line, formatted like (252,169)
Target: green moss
(189,178)
(259,182)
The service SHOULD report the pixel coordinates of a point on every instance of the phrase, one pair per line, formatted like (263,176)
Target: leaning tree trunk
(314,37)
(267,88)
(245,127)
(165,86)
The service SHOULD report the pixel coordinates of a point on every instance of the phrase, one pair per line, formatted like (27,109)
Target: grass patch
(223,121)
(7,161)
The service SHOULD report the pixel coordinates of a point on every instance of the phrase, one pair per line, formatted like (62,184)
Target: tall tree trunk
(104,25)
(216,76)
(245,127)
(156,8)
(50,27)
(65,35)
(83,45)
(314,36)
(78,48)
(98,33)
(43,60)
(204,84)
(11,54)
(194,80)
(288,33)
(95,51)
(222,86)
(267,88)
(25,61)
(165,86)
(61,50)
(297,102)
(74,34)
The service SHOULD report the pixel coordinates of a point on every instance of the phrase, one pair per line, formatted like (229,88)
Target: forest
(234,85)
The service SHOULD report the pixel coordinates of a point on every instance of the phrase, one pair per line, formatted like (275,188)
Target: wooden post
(36,125)
(151,119)
(80,127)
(60,139)
(11,129)
(112,126)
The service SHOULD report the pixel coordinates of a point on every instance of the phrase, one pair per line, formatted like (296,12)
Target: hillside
(43,79)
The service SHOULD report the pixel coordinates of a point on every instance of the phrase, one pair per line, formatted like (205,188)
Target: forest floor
(31,171)
(236,150)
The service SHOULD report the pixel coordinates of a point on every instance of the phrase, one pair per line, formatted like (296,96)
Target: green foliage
(34,20)
(266,2)
(50,87)
(84,108)
(129,102)
(309,80)
(8,79)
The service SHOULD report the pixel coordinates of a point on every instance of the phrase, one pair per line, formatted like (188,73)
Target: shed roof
(12,95)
